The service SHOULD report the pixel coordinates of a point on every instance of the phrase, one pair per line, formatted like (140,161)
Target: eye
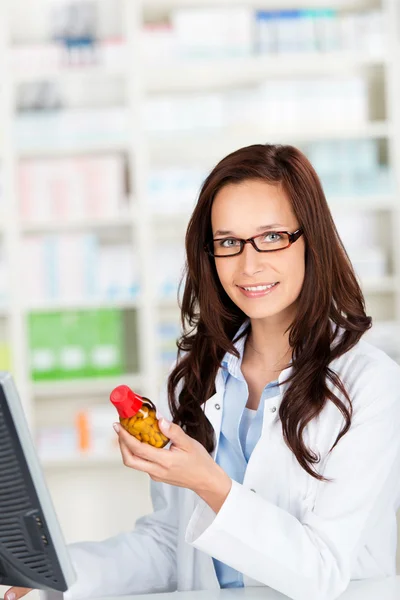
(271,237)
(228,243)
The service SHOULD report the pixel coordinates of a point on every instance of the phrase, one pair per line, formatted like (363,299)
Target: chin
(259,312)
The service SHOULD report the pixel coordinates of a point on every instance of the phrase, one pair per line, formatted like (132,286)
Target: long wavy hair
(330,299)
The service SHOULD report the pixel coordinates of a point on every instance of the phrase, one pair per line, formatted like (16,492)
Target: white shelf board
(83,461)
(72,150)
(349,203)
(82,304)
(192,74)
(216,143)
(52,226)
(86,72)
(262,4)
(84,387)
(359,202)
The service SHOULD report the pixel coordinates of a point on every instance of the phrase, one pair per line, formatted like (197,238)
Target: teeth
(259,288)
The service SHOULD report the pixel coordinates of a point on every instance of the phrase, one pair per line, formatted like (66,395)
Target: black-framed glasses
(269,241)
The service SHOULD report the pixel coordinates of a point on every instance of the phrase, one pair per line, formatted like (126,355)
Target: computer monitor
(32,549)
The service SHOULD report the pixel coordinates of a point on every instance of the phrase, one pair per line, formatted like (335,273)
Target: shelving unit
(145,151)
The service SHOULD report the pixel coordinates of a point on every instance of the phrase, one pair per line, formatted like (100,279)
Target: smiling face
(243,210)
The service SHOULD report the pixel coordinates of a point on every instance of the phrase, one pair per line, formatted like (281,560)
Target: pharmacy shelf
(73,225)
(84,387)
(143,152)
(195,75)
(82,304)
(83,462)
(216,143)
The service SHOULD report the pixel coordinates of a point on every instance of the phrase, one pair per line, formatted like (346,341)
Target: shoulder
(369,375)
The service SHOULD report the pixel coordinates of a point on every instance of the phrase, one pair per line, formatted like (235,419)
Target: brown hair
(330,298)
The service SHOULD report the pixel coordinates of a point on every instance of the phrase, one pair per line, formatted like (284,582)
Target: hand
(185,464)
(14,593)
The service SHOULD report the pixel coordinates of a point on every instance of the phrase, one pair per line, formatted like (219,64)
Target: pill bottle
(137,415)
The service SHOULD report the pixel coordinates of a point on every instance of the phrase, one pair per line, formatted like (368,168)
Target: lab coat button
(217,406)
(272,409)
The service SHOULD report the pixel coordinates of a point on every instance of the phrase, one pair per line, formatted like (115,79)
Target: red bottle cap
(125,401)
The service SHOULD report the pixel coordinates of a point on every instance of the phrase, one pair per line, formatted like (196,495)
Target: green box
(76,344)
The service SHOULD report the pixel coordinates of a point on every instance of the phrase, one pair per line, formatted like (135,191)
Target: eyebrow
(262,228)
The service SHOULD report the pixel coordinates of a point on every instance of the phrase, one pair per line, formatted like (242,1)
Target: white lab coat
(281,528)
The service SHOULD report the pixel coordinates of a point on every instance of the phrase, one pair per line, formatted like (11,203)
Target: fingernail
(10,596)
(116,428)
(165,424)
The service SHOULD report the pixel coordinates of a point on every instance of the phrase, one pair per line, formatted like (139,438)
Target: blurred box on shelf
(344,99)
(350,168)
(77,267)
(182,112)
(269,104)
(319,30)
(57,442)
(71,129)
(76,344)
(47,58)
(211,32)
(168,332)
(95,434)
(169,263)
(72,188)
(215,32)
(174,190)
(117,272)
(159,42)
(89,434)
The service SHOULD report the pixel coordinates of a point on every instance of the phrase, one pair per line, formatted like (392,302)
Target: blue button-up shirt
(238,439)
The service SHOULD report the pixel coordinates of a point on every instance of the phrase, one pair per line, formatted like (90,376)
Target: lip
(261,292)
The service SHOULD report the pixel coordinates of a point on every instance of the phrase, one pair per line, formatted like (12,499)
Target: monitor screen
(32,549)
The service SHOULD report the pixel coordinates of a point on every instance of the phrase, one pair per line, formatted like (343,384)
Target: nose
(251,260)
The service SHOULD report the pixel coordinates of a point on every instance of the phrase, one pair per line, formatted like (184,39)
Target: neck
(268,346)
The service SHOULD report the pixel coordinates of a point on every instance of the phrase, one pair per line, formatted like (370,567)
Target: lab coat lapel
(213,408)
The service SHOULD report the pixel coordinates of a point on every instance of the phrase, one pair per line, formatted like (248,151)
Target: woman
(283,468)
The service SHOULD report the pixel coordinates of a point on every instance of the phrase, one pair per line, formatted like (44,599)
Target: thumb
(16,592)
(175,433)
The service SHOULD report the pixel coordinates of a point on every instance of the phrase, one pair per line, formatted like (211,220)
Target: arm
(310,558)
(137,562)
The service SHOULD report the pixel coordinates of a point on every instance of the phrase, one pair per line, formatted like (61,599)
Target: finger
(14,593)
(140,449)
(176,434)
(135,462)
